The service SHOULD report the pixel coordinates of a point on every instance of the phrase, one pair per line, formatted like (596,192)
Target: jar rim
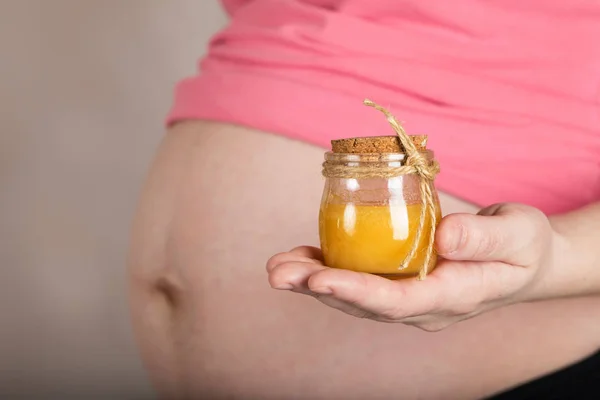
(330,156)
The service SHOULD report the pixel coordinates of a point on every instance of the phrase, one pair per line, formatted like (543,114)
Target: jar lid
(376,144)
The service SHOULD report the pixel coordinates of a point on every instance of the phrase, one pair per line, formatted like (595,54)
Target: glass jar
(369,222)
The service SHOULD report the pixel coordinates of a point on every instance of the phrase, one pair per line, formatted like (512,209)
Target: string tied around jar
(414,163)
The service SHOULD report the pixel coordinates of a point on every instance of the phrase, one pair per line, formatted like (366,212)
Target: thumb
(504,232)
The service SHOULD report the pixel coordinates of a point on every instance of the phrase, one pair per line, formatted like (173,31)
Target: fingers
(371,296)
(505,232)
(386,299)
(308,251)
(293,275)
(316,280)
(298,254)
(358,294)
(455,290)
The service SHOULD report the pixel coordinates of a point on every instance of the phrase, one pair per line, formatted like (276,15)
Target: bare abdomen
(213,213)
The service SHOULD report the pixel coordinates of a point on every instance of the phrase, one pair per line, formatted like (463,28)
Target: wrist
(565,271)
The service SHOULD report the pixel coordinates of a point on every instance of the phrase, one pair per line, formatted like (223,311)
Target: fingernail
(283,286)
(322,290)
(454,240)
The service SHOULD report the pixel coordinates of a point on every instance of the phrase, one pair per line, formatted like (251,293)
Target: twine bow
(427,172)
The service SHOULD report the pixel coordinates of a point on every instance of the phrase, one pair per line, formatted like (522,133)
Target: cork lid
(376,144)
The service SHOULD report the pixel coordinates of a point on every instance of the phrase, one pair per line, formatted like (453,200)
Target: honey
(374,238)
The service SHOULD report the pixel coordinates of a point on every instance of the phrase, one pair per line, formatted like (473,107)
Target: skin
(504,255)
(220,200)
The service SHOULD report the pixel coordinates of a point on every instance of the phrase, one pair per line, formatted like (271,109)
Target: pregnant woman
(507,92)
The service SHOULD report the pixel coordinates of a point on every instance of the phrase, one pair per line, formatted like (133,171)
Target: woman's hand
(498,257)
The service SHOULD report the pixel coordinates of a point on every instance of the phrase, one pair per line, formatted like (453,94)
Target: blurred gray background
(84,89)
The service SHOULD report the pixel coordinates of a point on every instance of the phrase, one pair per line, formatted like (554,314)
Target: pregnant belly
(209,326)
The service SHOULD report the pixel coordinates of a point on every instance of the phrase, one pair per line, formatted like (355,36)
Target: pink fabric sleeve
(507,90)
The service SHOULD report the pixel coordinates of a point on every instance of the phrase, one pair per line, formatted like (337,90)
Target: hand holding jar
(380,228)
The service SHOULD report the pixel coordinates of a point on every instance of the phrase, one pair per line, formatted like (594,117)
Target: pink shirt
(507,90)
